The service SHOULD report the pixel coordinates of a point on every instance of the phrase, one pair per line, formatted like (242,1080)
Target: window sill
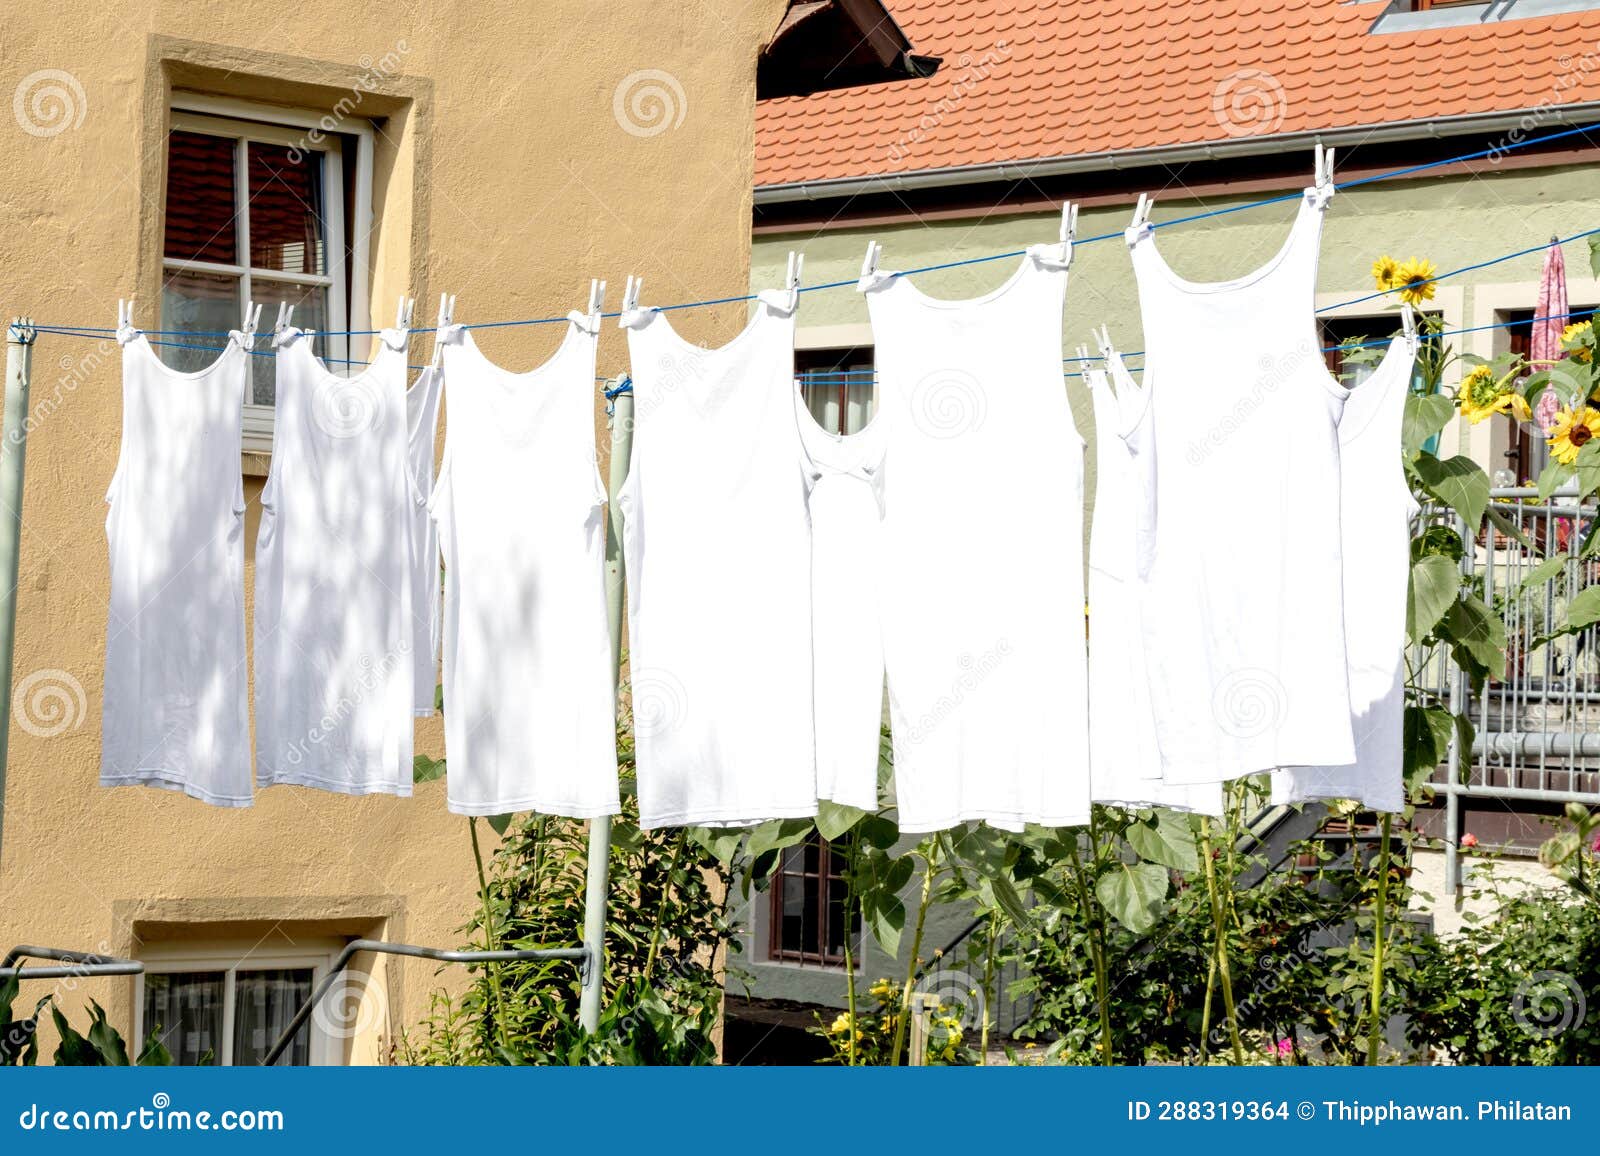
(1492,12)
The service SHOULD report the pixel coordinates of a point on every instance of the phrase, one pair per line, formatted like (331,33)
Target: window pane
(185,1011)
(263,1004)
(200,198)
(811,928)
(310,312)
(207,303)
(794,914)
(286,226)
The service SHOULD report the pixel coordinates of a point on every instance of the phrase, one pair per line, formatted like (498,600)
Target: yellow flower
(1573,431)
(1576,339)
(1384,271)
(1482,396)
(1417,277)
(842,1024)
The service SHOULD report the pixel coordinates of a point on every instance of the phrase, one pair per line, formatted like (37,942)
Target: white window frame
(228,958)
(245,121)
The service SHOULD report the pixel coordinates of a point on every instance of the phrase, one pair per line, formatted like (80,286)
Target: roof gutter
(1530,122)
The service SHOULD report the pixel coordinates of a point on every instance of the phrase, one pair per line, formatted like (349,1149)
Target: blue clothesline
(93,331)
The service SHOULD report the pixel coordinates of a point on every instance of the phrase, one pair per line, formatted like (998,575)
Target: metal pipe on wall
(20,336)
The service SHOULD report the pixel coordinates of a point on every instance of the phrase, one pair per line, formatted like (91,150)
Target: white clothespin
(597,298)
(869,263)
(404,309)
(251,322)
(1408,321)
(1140,227)
(1069,230)
(631,316)
(1083,357)
(1323,175)
(446,330)
(1102,338)
(282,329)
(791,280)
(125,330)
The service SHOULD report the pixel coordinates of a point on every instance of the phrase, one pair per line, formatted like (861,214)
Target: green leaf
(1427,742)
(1533,386)
(1501,521)
(721,842)
(835,819)
(1571,382)
(1465,732)
(1582,611)
(1459,483)
(1594,256)
(1551,568)
(426,770)
(1425,416)
(73,1051)
(1166,838)
(885,917)
(105,1038)
(1006,898)
(1553,477)
(778,834)
(1478,637)
(1435,584)
(876,831)
(499,823)
(1133,894)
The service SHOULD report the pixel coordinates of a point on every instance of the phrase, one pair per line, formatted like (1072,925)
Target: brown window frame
(827,873)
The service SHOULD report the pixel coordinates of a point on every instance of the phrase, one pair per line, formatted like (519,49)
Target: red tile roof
(1029,79)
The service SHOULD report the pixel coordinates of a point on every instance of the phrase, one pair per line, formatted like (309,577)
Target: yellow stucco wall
(504,173)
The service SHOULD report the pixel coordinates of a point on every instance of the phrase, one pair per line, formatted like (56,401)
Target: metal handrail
(85,964)
(411,951)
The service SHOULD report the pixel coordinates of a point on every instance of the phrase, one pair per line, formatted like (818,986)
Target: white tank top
(422,424)
(1376,512)
(1124,761)
(983,549)
(175,711)
(844,477)
(719,576)
(1241,603)
(529,712)
(335,677)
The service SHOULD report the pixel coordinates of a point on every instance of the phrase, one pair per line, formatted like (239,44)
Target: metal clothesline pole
(597,878)
(20,336)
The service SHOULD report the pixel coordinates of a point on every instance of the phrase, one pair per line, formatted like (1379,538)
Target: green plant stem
(1205,1011)
(930,862)
(988,985)
(1097,947)
(493,969)
(851,848)
(661,905)
(1219,929)
(1375,996)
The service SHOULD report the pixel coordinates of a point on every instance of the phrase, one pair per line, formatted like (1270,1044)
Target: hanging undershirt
(175,712)
(335,676)
(1124,761)
(983,553)
(422,430)
(844,476)
(529,712)
(718,576)
(1241,602)
(1376,511)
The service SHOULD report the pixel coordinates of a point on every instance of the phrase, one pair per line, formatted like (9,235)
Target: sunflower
(1482,395)
(1384,270)
(1416,276)
(1578,340)
(1573,431)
